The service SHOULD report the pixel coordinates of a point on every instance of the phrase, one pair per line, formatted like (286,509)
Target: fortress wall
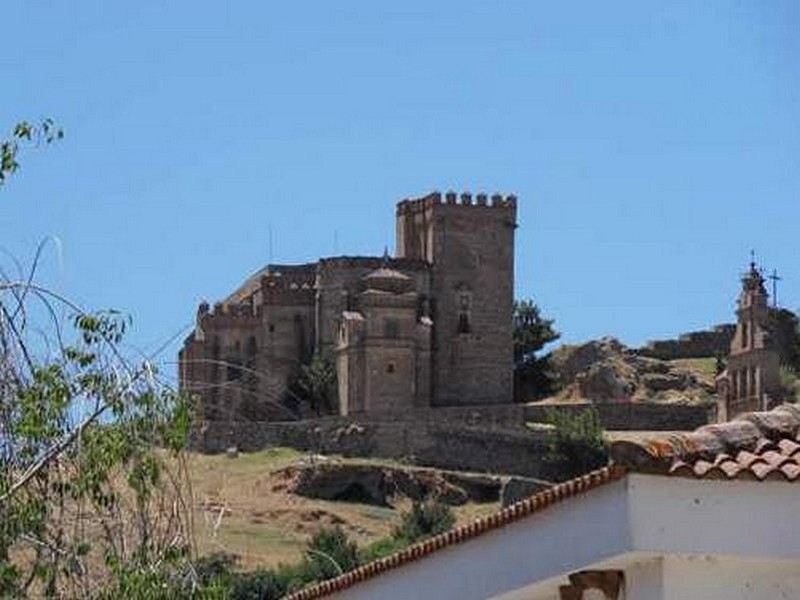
(636,416)
(489,438)
(695,344)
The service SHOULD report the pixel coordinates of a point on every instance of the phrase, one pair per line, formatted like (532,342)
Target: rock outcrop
(382,484)
(606,370)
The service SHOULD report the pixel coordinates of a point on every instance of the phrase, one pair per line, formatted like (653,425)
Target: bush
(262,584)
(217,566)
(329,553)
(424,520)
(577,445)
(380,549)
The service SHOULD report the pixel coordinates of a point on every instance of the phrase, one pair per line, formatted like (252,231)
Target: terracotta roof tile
(762,446)
(508,515)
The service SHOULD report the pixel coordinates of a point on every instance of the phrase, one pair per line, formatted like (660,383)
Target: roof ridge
(510,514)
(657,454)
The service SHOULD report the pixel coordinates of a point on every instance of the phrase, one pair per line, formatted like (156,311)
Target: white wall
(673,515)
(725,578)
(562,538)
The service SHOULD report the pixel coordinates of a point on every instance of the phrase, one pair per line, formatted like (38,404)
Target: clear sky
(651,145)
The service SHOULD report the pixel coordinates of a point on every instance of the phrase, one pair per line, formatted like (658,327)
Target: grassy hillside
(242,506)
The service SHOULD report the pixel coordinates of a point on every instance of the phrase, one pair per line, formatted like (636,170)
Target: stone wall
(433,444)
(491,439)
(636,416)
(695,344)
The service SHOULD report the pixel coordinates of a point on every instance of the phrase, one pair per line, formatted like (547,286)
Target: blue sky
(652,145)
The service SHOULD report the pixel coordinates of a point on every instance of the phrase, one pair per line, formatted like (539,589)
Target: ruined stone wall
(636,416)
(421,442)
(481,438)
(695,344)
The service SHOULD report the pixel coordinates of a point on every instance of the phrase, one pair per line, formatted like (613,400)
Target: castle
(429,327)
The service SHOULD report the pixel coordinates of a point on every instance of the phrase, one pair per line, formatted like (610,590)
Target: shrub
(329,553)
(380,549)
(216,567)
(262,584)
(424,520)
(577,444)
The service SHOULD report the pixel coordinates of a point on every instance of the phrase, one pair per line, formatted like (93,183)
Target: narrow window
(463,323)
(391,328)
(744,335)
(390,367)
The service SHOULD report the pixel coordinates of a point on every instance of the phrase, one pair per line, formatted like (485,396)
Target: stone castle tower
(750,381)
(470,247)
(429,327)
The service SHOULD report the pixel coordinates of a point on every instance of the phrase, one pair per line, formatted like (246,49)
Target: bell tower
(752,375)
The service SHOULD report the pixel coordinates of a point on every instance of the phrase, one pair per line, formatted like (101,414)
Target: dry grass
(242,506)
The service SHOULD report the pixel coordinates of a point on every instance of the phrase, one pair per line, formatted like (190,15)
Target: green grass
(703,367)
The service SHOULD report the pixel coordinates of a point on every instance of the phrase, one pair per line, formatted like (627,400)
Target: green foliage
(785,335)
(425,519)
(262,584)
(25,132)
(577,444)
(330,553)
(91,471)
(789,384)
(316,384)
(380,549)
(216,567)
(531,330)
(534,376)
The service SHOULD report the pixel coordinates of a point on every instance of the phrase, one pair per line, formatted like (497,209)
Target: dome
(388,280)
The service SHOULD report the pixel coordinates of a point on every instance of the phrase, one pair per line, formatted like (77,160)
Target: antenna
(271,258)
(775,279)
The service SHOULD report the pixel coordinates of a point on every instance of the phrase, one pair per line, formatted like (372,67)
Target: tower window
(390,368)
(463,323)
(391,328)
(464,302)
(744,335)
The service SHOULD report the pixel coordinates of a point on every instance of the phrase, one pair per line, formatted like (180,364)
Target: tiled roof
(757,446)
(515,512)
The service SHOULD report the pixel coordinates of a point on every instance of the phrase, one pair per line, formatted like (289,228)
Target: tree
(577,443)
(316,384)
(25,132)
(94,500)
(532,331)
(533,374)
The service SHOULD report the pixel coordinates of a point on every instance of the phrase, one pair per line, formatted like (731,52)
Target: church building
(751,379)
(430,326)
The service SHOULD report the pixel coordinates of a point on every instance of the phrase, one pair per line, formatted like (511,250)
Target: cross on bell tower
(774,278)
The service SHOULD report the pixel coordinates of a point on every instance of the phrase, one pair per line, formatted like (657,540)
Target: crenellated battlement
(451,198)
(224,315)
(371,262)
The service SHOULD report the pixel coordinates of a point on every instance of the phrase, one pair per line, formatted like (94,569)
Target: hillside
(243,506)
(605,369)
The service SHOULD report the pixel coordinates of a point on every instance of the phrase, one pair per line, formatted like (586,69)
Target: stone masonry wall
(695,344)
(490,439)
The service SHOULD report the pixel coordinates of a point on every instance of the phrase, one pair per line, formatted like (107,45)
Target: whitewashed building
(713,515)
